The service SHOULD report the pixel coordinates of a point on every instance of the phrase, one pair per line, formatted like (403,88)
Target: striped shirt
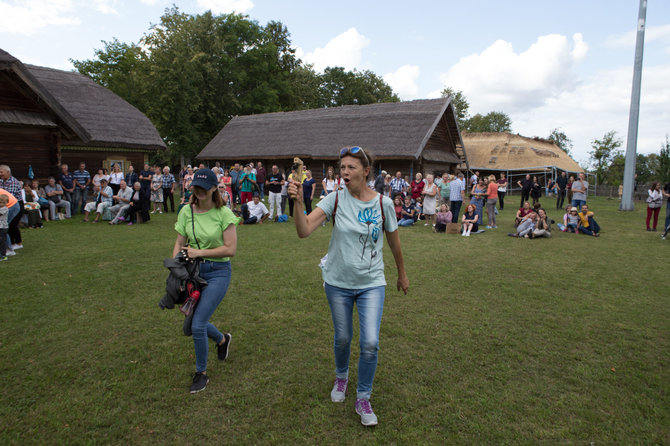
(397,184)
(81,176)
(457,186)
(12,186)
(168,181)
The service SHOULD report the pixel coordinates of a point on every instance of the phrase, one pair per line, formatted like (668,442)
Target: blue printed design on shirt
(369,217)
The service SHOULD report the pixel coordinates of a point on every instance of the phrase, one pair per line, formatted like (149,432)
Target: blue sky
(547,64)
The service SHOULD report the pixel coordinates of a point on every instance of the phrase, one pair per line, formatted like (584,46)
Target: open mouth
(346,180)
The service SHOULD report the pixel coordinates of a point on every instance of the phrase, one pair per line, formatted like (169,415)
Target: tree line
(606,159)
(191,74)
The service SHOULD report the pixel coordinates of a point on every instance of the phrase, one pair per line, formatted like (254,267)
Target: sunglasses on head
(354,151)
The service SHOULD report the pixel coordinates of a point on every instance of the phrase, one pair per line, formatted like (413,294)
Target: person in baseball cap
(206,231)
(204,178)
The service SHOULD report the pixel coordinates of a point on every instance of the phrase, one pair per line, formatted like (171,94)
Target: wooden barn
(516,155)
(414,136)
(49,117)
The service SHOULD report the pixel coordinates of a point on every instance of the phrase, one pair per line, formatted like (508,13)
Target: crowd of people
(257,195)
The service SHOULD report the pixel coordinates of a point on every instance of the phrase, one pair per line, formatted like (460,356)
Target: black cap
(204,178)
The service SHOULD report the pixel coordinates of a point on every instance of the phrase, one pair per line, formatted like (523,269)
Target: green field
(500,340)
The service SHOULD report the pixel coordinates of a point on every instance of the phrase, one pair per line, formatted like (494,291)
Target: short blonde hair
(492,177)
(4,199)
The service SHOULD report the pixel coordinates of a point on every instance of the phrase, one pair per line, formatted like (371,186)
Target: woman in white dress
(429,200)
(157,191)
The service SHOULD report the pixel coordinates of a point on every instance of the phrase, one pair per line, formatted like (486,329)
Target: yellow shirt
(304,177)
(585,218)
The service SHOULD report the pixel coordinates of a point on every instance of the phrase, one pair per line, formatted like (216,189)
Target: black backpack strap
(337,195)
(381,205)
(193,226)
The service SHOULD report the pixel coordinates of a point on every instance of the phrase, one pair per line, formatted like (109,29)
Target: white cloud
(28,16)
(403,81)
(600,104)
(345,50)
(105,6)
(659,33)
(226,6)
(149,2)
(499,78)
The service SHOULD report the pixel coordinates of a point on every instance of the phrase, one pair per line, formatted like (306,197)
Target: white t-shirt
(330,185)
(257,210)
(115,177)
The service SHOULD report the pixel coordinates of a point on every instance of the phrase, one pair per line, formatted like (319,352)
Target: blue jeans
(261,190)
(406,222)
(667,215)
(578,204)
(217,275)
(593,227)
(79,194)
(370,304)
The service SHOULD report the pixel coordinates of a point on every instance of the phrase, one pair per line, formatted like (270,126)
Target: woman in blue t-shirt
(353,270)
(206,229)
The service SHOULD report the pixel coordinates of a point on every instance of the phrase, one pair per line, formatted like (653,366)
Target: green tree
(559,138)
(339,87)
(603,153)
(190,74)
(460,103)
(615,170)
(492,122)
(121,67)
(663,173)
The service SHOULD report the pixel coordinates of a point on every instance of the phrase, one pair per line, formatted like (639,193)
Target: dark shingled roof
(96,115)
(390,130)
(108,119)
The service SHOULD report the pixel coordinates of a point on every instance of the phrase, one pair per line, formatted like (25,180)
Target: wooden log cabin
(413,136)
(49,117)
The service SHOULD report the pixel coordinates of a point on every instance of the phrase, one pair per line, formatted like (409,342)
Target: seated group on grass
(532,222)
(124,206)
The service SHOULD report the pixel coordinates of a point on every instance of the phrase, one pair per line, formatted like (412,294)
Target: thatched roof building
(409,136)
(495,152)
(49,116)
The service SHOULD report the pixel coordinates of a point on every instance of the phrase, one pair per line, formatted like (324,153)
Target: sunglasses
(354,151)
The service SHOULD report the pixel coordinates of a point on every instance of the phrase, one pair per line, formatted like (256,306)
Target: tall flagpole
(634,117)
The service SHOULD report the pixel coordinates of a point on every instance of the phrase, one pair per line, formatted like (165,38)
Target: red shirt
(523,212)
(398,212)
(417,188)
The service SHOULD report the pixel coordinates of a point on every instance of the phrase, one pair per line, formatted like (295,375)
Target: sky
(547,64)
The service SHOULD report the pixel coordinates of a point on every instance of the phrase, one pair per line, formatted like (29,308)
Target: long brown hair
(216,198)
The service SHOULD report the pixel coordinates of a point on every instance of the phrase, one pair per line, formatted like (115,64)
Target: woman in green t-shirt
(206,229)
(353,272)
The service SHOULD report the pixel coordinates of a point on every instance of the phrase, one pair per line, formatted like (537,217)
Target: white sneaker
(339,392)
(16,246)
(10,252)
(363,408)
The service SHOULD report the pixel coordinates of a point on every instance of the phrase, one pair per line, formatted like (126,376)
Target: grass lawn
(500,340)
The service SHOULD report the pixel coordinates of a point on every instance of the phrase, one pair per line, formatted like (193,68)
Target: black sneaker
(222,349)
(200,380)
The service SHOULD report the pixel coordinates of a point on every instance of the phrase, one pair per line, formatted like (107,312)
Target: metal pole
(634,117)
